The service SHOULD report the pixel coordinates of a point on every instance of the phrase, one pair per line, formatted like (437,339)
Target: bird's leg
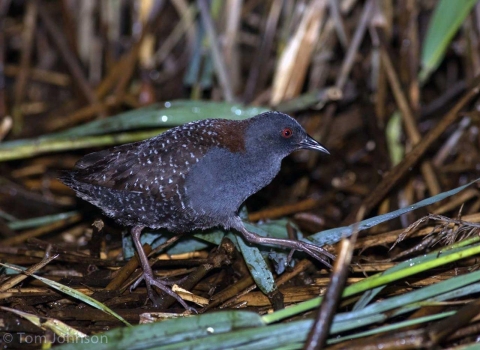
(161,247)
(314,251)
(147,270)
(148,277)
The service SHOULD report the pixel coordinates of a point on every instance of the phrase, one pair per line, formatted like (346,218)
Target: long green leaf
(334,235)
(378,280)
(446,19)
(146,336)
(58,327)
(75,294)
(100,132)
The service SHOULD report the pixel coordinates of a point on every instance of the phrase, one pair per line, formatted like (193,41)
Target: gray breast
(218,184)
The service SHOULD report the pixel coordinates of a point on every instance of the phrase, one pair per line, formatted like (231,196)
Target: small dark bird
(192,177)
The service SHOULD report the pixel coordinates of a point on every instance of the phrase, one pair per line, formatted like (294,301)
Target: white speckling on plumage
(162,186)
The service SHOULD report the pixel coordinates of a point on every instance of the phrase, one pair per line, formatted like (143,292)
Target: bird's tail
(84,190)
(109,200)
(67,177)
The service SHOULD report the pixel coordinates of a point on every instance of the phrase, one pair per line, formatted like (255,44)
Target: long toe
(136,283)
(151,294)
(321,251)
(318,253)
(151,281)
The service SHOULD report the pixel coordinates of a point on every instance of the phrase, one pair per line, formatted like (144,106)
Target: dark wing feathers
(144,182)
(157,165)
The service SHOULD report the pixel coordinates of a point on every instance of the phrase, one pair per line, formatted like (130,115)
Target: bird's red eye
(287,133)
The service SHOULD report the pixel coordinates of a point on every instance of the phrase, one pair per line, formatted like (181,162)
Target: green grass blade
(395,326)
(40,221)
(380,279)
(160,334)
(334,235)
(100,132)
(58,327)
(394,132)
(444,23)
(256,264)
(74,294)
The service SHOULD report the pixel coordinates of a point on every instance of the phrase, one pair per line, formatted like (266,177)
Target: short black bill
(310,143)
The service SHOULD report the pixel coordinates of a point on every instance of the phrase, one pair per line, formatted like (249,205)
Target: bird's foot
(150,281)
(313,250)
(148,277)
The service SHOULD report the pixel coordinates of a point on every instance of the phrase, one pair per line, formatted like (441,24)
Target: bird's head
(278,133)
